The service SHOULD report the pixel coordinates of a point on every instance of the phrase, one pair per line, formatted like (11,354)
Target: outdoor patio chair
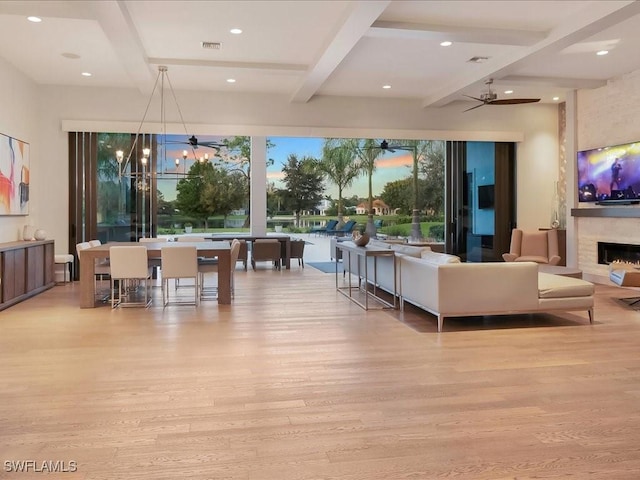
(320,230)
(263,250)
(297,251)
(346,229)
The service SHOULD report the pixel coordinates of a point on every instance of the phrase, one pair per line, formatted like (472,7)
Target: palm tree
(339,163)
(418,149)
(368,153)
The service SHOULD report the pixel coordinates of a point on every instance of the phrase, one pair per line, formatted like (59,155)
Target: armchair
(625,275)
(539,247)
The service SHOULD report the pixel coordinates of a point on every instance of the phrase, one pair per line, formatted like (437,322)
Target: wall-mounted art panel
(14,176)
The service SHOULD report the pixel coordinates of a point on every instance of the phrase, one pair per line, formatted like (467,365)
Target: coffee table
(559,270)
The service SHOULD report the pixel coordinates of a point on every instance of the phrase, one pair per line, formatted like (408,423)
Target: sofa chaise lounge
(440,284)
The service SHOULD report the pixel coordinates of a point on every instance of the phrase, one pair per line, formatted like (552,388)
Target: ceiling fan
(384,145)
(491,98)
(194,143)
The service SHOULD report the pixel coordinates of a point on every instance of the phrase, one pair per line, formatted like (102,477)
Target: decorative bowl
(361,240)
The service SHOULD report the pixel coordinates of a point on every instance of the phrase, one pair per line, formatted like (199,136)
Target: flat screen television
(485,196)
(609,173)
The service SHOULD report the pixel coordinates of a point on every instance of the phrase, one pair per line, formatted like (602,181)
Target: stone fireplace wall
(592,230)
(606,116)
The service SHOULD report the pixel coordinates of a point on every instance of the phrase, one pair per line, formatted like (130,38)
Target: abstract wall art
(14,176)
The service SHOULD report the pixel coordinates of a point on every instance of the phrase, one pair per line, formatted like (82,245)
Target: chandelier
(192,142)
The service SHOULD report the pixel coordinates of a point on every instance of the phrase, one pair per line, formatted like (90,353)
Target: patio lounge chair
(346,229)
(331,224)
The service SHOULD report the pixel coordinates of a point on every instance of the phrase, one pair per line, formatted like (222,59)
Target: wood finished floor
(292,382)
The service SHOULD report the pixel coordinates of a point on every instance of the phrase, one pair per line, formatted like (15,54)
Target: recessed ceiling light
(86,74)
(386,87)
(34,19)
(231,80)
(555,99)
(446,43)
(236,31)
(602,52)
(508,92)
(71,56)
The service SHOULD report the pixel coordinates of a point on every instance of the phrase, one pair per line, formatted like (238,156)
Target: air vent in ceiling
(212,45)
(478,59)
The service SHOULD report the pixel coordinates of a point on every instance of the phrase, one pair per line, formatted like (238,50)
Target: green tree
(190,192)
(304,185)
(165,207)
(339,164)
(369,151)
(223,192)
(399,194)
(431,166)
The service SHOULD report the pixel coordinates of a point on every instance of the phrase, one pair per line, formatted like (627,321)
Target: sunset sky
(390,167)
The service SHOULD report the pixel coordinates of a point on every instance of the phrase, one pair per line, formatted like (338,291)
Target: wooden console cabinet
(26,269)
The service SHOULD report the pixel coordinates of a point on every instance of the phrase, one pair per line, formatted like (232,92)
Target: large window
(203,185)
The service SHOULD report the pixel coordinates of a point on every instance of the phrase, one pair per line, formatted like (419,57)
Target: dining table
(208,249)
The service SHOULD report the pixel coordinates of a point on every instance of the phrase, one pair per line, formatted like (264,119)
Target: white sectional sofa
(442,285)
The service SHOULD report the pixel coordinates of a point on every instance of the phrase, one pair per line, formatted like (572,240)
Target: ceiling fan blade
(473,108)
(475,98)
(513,101)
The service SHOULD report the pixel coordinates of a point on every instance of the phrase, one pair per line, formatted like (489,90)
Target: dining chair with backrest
(179,262)
(297,250)
(191,239)
(103,262)
(208,265)
(100,268)
(129,269)
(263,250)
(153,262)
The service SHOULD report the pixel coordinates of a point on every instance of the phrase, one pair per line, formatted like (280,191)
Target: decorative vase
(360,239)
(40,234)
(28,232)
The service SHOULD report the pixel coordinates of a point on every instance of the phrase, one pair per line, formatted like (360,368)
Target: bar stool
(67,260)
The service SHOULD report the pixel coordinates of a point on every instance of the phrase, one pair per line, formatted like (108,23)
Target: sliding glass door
(480,199)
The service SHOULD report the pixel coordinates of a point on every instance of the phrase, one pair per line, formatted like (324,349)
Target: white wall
(19,119)
(606,116)
(102,109)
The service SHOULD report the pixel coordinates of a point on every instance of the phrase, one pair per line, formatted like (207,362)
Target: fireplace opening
(621,252)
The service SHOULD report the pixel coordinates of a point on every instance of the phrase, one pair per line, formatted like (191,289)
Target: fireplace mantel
(611,212)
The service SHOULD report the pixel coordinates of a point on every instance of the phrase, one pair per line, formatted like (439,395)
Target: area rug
(326,267)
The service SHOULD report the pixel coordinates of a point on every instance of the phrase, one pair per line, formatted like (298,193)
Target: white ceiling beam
(117,25)
(282,67)
(594,18)
(440,33)
(358,19)
(570,83)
